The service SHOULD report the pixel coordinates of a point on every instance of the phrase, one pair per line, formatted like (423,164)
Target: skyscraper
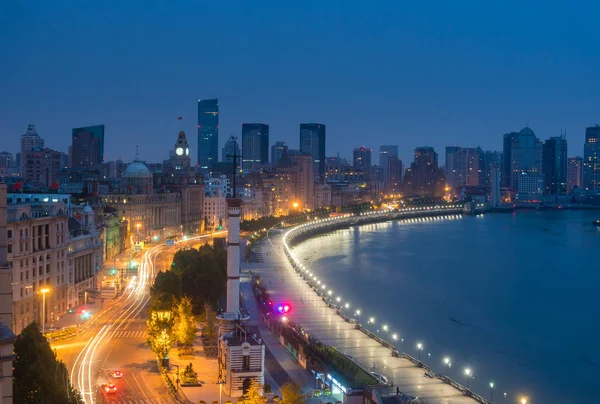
(255,146)
(464,166)
(87,147)
(522,155)
(362,160)
(385,152)
(554,165)
(591,158)
(492,162)
(424,177)
(29,141)
(394,175)
(231,147)
(574,173)
(277,151)
(312,141)
(208,133)
(450,166)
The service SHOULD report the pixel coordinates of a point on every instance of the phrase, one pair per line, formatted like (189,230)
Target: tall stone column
(233,256)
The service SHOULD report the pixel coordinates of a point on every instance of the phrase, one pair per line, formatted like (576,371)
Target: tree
(210,331)
(165,290)
(38,377)
(160,329)
(253,395)
(291,393)
(186,326)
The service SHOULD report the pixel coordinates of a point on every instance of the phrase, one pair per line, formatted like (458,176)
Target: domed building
(136,179)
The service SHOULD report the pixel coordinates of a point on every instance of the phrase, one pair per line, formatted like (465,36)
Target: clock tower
(180,159)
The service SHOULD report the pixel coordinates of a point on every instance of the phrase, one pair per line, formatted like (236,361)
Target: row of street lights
(371,321)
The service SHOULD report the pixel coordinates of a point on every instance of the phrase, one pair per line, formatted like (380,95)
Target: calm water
(513,296)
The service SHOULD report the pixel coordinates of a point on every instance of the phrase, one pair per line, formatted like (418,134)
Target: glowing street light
(44,291)
(338,299)
(371,322)
(491,392)
(330,292)
(447,363)
(468,374)
(419,349)
(523,400)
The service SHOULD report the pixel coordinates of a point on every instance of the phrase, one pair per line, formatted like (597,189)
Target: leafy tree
(165,290)
(160,330)
(253,395)
(291,394)
(38,377)
(188,375)
(186,325)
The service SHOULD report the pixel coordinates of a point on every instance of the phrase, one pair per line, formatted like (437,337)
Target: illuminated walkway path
(311,312)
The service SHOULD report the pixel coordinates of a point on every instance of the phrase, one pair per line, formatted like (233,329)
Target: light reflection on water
(512,296)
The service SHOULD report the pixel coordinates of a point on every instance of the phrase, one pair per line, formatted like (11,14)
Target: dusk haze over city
(332,202)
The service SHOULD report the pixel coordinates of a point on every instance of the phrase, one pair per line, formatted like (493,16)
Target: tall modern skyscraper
(522,155)
(312,141)
(29,141)
(385,152)
(277,151)
(255,146)
(574,173)
(424,177)
(231,147)
(450,166)
(464,166)
(87,147)
(591,158)
(208,133)
(394,174)
(362,160)
(554,165)
(492,163)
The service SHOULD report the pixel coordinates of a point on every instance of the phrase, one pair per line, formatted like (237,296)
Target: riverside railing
(323,225)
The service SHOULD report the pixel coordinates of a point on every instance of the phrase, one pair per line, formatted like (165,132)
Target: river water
(515,297)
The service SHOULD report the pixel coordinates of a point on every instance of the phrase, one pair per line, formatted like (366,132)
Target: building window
(9,248)
(9,233)
(21,276)
(246,362)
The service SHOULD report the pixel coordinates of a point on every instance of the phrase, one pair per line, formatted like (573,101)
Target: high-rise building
(255,146)
(29,141)
(574,173)
(450,166)
(87,147)
(491,159)
(277,151)
(230,149)
(305,182)
(424,177)
(208,133)
(7,164)
(362,160)
(464,166)
(385,152)
(554,165)
(41,165)
(394,175)
(591,158)
(522,154)
(312,141)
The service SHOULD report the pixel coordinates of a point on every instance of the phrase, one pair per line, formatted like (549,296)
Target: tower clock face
(179,151)
(187,151)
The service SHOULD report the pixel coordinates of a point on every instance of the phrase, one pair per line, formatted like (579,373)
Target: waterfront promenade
(317,318)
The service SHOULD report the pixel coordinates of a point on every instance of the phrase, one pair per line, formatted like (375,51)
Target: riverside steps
(288,280)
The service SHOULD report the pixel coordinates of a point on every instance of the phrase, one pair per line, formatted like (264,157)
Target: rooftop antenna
(137,153)
(234,157)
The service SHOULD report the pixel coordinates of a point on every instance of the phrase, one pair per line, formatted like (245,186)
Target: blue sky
(379,72)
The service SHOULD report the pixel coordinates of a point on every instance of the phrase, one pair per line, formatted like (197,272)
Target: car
(109,388)
(117,374)
(380,378)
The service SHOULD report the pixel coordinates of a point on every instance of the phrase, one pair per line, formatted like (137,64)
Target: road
(116,339)
(316,318)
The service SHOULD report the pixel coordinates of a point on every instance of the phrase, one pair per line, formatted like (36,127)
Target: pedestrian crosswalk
(130,334)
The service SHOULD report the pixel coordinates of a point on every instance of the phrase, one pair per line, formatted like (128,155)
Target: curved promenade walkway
(310,311)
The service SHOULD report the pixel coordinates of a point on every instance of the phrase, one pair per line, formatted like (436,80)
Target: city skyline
(454,105)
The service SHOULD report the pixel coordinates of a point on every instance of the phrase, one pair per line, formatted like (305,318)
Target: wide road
(116,339)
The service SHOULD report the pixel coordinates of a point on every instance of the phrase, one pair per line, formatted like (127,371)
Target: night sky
(409,73)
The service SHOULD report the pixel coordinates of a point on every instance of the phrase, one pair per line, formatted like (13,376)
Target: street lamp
(44,291)
(523,400)
(468,374)
(358,316)
(447,363)
(395,338)
(220,383)
(419,349)
(491,392)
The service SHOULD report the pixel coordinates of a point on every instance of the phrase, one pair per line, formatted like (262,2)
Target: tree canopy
(291,394)
(38,377)
(253,395)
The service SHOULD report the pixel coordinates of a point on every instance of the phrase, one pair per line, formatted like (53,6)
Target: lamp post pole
(44,291)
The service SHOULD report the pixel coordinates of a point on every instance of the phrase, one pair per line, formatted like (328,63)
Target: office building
(449,167)
(554,165)
(255,146)
(41,165)
(230,149)
(208,133)
(362,159)
(522,153)
(492,160)
(312,141)
(394,175)
(277,151)
(29,141)
(424,178)
(385,152)
(591,158)
(87,147)
(464,166)
(574,173)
